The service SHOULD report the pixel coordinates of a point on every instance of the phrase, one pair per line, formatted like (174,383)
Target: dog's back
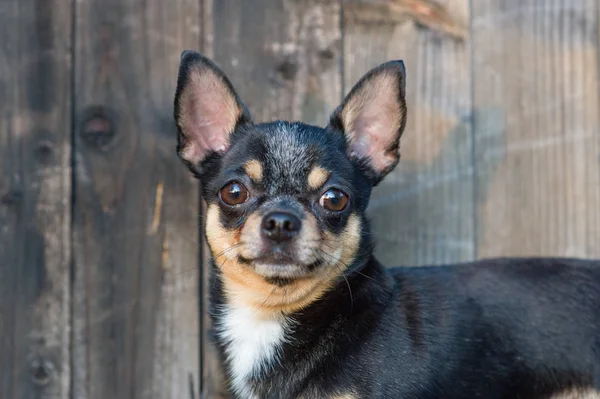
(529,326)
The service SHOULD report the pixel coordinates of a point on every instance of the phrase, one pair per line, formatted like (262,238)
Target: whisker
(265,301)
(364,275)
(223,252)
(347,266)
(349,289)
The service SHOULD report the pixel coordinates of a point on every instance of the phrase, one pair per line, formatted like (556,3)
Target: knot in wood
(11,198)
(44,151)
(41,371)
(288,69)
(327,54)
(97,128)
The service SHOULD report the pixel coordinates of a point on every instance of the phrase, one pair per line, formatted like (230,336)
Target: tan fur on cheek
(346,244)
(219,239)
(254,170)
(317,177)
(239,280)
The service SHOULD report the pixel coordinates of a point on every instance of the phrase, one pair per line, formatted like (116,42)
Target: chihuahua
(301,307)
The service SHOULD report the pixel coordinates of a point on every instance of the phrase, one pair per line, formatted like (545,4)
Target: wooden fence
(100,286)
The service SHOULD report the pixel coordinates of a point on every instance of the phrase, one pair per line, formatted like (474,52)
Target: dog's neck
(254,341)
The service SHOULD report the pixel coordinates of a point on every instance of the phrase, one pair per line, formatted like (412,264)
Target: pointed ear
(207,110)
(372,118)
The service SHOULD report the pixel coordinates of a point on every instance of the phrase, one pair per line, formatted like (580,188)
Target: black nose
(280,226)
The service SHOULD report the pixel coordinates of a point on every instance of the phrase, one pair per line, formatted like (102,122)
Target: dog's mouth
(280,268)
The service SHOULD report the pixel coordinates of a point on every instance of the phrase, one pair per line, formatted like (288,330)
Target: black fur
(496,328)
(492,329)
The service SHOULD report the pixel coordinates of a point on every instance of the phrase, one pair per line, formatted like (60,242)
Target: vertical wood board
(35,198)
(536,65)
(136,282)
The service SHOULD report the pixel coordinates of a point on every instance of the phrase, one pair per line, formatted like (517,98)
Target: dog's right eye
(233,193)
(334,200)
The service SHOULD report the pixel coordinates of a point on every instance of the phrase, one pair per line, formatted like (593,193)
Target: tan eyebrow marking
(254,170)
(317,177)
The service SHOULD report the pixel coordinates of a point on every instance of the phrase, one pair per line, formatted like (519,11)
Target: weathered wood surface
(423,212)
(283,57)
(135,298)
(35,198)
(535,69)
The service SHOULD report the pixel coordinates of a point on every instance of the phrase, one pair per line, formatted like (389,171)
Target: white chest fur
(253,343)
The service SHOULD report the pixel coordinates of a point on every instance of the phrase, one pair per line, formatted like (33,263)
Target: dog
(300,305)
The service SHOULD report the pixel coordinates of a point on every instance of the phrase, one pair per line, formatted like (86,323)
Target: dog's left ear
(207,110)
(372,118)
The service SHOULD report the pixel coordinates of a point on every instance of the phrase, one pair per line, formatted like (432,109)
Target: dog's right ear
(207,110)
(372,118)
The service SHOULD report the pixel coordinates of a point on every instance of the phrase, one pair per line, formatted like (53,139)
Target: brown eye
(334,200)
(233,193)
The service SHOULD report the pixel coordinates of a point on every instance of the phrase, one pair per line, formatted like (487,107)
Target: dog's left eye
(334,200)
(233,193)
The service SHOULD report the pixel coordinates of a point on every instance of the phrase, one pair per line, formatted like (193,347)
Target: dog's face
(286,201)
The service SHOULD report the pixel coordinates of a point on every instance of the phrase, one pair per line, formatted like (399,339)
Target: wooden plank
(35,198)
(536,63)
(423,212)
(282,55)
(136,282)
(284,59)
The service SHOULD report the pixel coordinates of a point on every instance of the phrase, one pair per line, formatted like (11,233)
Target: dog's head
(286,201)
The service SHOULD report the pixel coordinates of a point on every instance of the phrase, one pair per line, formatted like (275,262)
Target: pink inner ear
(372,119)
(209,112)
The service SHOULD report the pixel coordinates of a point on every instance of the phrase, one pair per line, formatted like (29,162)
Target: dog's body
(499,328)
(301,307)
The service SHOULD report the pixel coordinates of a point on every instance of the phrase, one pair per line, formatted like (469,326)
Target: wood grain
(35,198)
(427,13)
(536,64)
(423,212)
(283,56)
(136,306)
(284,59)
